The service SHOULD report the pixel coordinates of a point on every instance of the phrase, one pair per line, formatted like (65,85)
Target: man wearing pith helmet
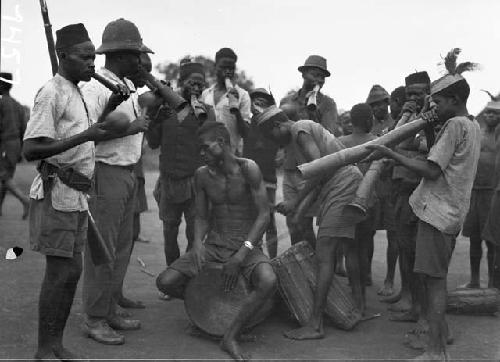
(113,203)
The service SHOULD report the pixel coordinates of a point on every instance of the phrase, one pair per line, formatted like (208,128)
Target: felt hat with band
(315,61)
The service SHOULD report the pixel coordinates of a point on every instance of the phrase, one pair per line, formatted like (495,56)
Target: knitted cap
(377,93)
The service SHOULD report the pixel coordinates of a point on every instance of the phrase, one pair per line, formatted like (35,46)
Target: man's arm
(424,168)
(43,147)
(201,223)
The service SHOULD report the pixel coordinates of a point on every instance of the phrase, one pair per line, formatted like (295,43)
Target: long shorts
(491,231)
(433,251)
(56,233)
(10,152)
(478,212)
(215,254)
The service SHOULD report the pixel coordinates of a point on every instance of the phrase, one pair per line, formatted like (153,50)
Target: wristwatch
(248,245)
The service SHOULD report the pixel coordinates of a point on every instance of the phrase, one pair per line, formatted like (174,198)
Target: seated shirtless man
(232,234)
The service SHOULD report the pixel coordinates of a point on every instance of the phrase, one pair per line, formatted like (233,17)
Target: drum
(473,301)
(296,273)
(211,309)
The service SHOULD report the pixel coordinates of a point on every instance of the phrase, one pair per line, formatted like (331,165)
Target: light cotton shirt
(223,114)
(59,113)
(123,151)
(444,202)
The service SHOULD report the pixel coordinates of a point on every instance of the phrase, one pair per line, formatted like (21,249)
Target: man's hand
(233,97)
(96,132)
(381,150)
(140,124)
(286,207)
(231,270)
(117,98)
(409,107)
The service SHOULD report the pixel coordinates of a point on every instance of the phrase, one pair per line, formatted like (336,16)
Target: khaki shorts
(433,251)
(54,232)
(478,212)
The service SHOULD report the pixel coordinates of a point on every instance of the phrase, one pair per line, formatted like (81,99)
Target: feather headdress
(450,63)
(454,71)
(495,101)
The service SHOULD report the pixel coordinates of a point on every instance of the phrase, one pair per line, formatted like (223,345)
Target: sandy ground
(163,335)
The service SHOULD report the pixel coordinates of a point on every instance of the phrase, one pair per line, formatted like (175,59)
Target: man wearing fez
(264,152)
(113,203)
(175,133)
(440,200)
(405,181)
(232,106)
(378,99)
(12,126)
(60,134)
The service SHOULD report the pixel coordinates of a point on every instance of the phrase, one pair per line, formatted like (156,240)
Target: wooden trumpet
(312,101)
(171,97)
(199,110)
(363,199)
(355,154)
(233,104)
(106,82)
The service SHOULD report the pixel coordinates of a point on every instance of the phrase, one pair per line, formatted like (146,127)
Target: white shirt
(223,114)
(123,151)
(59,113)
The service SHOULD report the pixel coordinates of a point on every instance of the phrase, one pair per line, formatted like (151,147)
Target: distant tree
(171,71)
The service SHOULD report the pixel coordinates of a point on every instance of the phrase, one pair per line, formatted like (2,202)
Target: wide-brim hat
(315,61)
(122,35)
(263,93)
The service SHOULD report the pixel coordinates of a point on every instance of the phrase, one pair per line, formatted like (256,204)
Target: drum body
(211,309)
(296,271)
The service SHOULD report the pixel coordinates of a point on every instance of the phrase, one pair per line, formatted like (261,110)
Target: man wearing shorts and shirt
(60,135)
(442,198)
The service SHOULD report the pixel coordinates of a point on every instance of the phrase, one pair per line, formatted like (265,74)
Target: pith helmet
(122,35)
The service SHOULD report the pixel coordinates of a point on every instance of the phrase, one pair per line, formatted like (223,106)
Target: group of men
(218,152)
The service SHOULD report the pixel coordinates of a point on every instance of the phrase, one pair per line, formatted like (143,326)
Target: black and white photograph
(236,180)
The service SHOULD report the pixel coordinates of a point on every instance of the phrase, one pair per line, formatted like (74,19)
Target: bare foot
(404,305)
(429,356)
(386,290)
(404,317)
(416,341)
(306,332)
(391,298)
(233,349)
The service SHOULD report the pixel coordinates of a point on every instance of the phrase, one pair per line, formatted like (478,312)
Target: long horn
(312,101)
(355,154)
(363,198)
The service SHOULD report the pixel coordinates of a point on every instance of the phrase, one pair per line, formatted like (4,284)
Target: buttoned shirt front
(444,202)
(59,113)
(124,151)
(223,114)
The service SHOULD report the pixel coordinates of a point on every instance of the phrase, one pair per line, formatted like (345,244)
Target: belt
(130,168)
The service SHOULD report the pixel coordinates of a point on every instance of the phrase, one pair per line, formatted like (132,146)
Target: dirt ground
(163,335)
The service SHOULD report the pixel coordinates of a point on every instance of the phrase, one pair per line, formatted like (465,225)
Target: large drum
(211,309)
(296,271)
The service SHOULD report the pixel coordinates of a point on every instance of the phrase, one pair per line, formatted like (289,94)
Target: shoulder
(327,99)
(305,125)
(250,170)
(289,97)
(201,174)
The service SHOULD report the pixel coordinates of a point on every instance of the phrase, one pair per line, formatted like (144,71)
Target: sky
(365,42)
